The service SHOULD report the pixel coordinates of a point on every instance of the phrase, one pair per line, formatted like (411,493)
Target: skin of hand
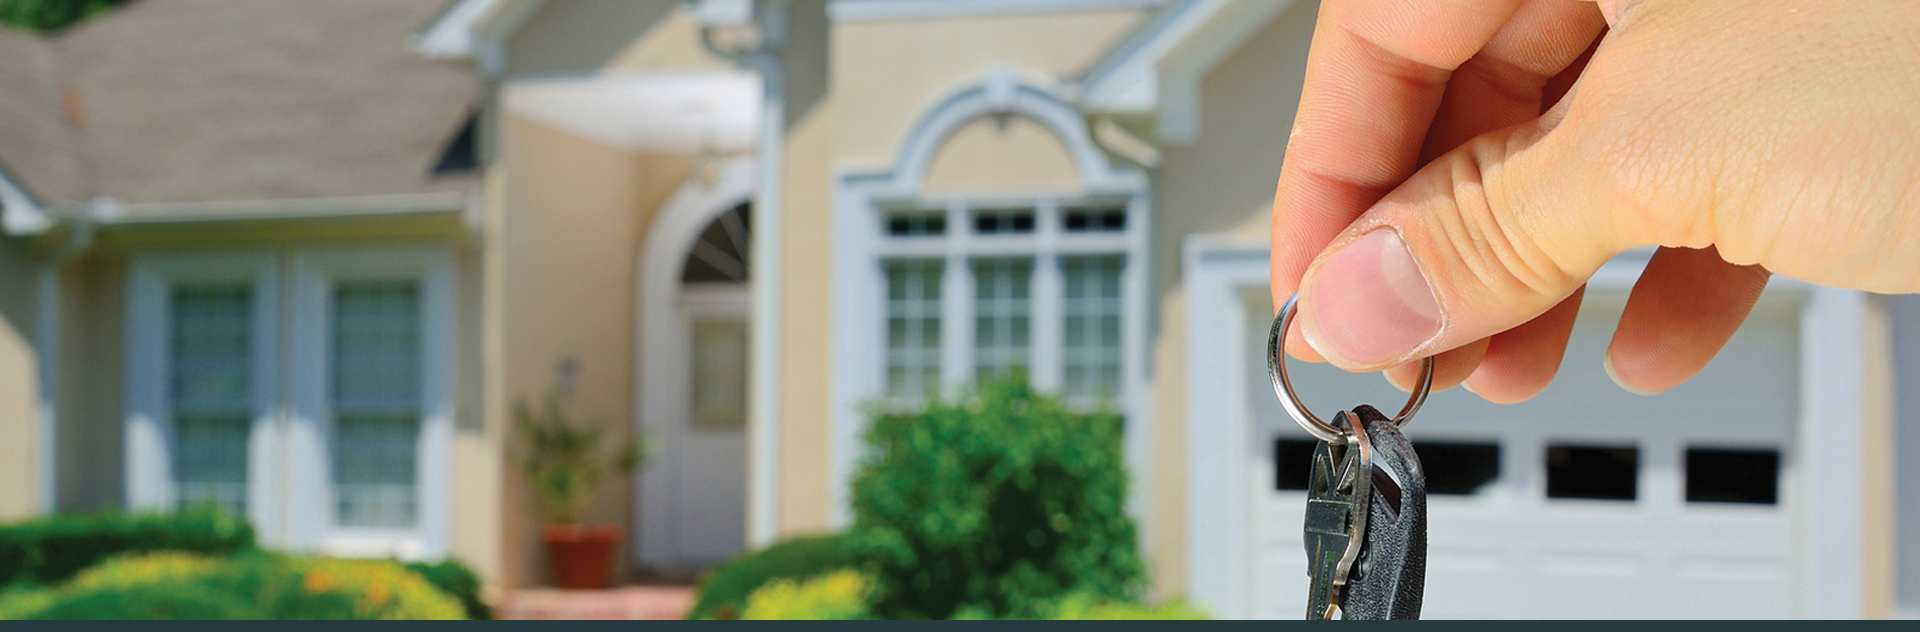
(1458,169)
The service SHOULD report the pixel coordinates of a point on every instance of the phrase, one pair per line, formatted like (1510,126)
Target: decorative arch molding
(859,288)
(999,93)
(660,361)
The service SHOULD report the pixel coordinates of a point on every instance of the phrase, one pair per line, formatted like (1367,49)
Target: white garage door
(1583,502)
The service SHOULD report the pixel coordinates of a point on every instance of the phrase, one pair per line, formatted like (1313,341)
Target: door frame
(1842,415)
(664,350)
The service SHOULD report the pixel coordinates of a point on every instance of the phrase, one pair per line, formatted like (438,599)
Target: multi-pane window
(212,350)
(1002,315)
(1019,288)
(913,328)
(1092,333)
(376,402)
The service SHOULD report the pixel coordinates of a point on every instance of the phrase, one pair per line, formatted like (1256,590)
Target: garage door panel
(1508,550)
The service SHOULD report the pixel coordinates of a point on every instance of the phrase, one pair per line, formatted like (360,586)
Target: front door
(711,484)
(693,489)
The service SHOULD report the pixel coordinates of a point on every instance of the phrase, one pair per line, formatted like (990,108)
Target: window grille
(212,343)
(1091,355)
(1001,317)
(376,402)
(913,328)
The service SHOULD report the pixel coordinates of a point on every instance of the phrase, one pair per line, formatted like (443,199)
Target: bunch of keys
(1366,531)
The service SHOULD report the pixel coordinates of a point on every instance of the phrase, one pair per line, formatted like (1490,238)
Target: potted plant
(565,464)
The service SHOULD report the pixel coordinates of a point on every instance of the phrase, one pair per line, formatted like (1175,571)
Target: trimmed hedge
(248,586)
(51,550)
(724,591)
(999,506)
(455,579)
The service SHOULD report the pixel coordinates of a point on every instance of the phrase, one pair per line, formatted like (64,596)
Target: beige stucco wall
(564,241)
(19,383)
(1001,154)
(1222,182)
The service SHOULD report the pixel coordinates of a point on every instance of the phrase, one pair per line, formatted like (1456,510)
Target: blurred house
(302,259)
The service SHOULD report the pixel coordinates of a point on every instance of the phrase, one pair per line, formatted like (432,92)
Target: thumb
(1482,239)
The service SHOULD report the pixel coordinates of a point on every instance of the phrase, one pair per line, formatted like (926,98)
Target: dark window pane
(917,225)
(1003,222)
(1106,220)
(1598,472)
(720,255)
(1292,463)
(1733,476)
(1458,468)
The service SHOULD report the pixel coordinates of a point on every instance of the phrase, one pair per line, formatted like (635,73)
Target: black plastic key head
(1390,577)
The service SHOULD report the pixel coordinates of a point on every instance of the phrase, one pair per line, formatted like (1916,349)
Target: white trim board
(660,361)
(1829,539)
(859,288)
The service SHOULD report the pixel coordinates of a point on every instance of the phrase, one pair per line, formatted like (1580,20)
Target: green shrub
(161,601)
(51,550)
(455,579)
(268,586)
(998,506)
(724,591)
(838,595)
(1088,606)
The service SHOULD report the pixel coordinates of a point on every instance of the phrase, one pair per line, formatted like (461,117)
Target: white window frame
(311,522)
(148,425)
(861,246)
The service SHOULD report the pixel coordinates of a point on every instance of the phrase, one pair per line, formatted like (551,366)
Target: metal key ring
(1283,387)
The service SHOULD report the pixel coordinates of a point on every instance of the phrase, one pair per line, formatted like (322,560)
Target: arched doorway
(693,367)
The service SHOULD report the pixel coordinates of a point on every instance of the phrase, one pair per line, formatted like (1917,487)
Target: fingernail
(1614,374)
(1370,304)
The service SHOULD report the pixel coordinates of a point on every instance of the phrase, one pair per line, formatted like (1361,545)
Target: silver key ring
(1283,387)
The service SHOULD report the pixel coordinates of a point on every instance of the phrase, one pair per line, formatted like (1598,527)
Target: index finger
(1375,75)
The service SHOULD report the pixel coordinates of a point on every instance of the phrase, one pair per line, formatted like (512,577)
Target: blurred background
(799,308)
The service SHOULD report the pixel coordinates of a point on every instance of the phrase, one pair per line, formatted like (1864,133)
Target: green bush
(724,591)
(173,602)
(455,579)
(264,585)
(1087,606)
(50,550)
(839,595)
(997,506)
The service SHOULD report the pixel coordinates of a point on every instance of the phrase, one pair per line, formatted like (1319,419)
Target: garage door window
(1593,472)
(1733,476)
(1458,468)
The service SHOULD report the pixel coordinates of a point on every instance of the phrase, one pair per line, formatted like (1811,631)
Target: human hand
(1434,209)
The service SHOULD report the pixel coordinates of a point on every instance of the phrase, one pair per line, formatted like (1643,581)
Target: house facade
(733,226)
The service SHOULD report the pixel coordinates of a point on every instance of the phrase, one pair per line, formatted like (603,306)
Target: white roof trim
(882,10)
(107,212)
(19,213)
(452,35)
(1158,70)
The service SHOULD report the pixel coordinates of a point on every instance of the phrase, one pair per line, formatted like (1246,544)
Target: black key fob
(1391,573)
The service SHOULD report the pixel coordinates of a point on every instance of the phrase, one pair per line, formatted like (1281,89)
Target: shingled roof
(196,101)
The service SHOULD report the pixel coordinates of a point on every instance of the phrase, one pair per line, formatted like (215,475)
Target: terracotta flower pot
(579,556)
